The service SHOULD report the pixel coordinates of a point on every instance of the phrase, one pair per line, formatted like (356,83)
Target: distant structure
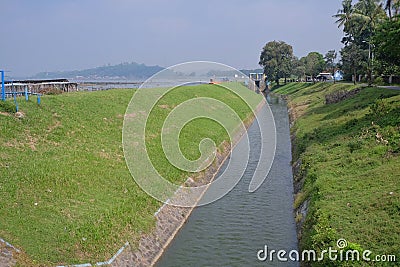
(338,75)
(13,89)
(39,86)
(258,81)
(3,89)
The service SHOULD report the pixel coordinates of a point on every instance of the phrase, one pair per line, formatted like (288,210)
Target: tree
(360,22)
(353,59)
(388,7)
(344,18)
(277,59)
(330,58)
(343,15)
(314,63)
(392,5)
(368,13)
(299,70)
(387,40)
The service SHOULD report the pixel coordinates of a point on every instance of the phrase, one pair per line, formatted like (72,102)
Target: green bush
(379,81)
(364,79)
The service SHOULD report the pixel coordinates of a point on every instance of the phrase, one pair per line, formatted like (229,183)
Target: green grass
(196,130)
(66,195)
(351,165)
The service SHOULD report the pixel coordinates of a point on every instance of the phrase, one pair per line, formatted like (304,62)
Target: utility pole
(370,62)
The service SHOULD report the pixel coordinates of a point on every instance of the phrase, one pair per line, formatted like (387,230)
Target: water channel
(230,231)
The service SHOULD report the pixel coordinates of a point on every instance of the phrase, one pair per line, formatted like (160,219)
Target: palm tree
(396,6)
(343,15)
(392,5)
(388,7)
(370,13)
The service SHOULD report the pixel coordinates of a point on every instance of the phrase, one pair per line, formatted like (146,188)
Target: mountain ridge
(124,70)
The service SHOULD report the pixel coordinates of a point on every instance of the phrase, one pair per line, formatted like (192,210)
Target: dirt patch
(296,111)
(131,115)
(31,141)
(13,143)
(5,114)
(163,106)
(54,126)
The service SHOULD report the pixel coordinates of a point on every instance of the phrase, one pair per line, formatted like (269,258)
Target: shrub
(379,81)
(364,80)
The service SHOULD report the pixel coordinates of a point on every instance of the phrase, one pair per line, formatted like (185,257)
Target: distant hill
(121,71)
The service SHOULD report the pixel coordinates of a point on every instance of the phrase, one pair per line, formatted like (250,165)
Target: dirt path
(390,87)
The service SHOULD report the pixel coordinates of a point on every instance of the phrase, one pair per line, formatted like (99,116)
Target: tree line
(371,46)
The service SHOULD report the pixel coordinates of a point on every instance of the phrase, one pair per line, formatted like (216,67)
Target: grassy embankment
(350,165)
(66,195)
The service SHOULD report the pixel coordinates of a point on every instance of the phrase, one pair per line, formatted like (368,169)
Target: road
(390,87)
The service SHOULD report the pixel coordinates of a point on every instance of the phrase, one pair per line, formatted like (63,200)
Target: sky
(58,35)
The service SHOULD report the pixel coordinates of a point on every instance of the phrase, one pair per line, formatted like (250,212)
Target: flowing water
(231,231)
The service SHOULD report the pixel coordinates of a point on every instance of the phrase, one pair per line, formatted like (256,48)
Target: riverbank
(346,162)
(67,196)
(230,231)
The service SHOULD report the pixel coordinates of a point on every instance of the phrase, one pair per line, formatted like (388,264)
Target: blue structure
(338,75)
(15,94)
(3,89)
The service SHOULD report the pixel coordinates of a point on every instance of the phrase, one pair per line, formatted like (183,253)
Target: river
(231,231)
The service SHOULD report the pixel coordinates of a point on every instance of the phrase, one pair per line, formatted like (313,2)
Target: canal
(230,231)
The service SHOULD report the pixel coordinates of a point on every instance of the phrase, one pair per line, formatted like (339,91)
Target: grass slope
(349,153)
(66,195)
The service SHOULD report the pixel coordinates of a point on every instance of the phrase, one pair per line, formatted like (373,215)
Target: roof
(43,82)
(39,81)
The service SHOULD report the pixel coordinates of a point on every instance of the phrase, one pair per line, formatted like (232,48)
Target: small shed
(338,75)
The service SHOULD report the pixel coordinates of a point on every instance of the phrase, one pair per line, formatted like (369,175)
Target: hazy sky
(51,35)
